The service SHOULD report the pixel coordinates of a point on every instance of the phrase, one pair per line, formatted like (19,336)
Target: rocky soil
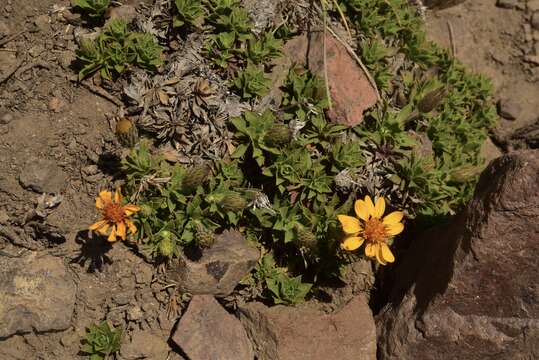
(471,294)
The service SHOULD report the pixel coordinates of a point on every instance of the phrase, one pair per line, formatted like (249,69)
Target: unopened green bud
(194,177)
(432,100)
(278,135)
(233,201)
(204,237)
(306,238)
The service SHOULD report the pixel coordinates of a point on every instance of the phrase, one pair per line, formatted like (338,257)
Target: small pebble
(535,20)
(509,109)
(506,4)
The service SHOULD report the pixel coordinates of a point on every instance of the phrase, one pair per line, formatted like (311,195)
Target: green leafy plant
(92,8)
(260,50)
(101,341)
(189,13)
(283,289)
(115,49)
(251,82)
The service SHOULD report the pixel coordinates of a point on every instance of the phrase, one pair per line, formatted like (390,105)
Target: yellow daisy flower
(115,217)
(371,227)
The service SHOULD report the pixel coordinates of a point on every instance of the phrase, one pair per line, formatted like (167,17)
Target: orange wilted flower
(372,228)
(115,217)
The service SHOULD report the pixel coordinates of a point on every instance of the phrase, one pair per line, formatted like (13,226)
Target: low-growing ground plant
(116,49)
(94,9)
(101,341)
(313,194)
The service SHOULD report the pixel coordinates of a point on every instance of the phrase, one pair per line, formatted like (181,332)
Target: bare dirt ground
(47,119)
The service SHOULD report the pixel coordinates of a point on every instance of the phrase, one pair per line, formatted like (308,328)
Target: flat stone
(509,109)
(506,4)
(441,4)
(351,91)
(469,290)
(532,5)
(145,345)
(219,269)
(36,294)
(534,21)
(43,176)
(207,332)
(126,12)
(291,333)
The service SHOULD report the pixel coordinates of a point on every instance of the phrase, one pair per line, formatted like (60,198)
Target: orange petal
(386,254)
(350,225)
(379,257)
(131,226)
(105,196)
(121,230)
(97,225)
(393,218)
(130,209)
(117,196)
(104,230)
(370,249)
(370,205)
(394,229)
(112,236)
(361,210)
(379,207)
(352,243)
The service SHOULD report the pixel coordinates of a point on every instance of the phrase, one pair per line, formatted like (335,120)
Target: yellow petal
(117,196)
(386,253)
(379,207)
(112,236)
(352,243)
(370,205)
(350,225)
(99,203)
(121,230)
(361,209)
(370,249)
(97,225)
(131,226)
(130,209)
(393,218)
(394,229)
(379,257)
(105,196)
(104,230)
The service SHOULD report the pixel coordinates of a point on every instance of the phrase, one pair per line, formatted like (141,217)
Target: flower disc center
(114,213)
(375,231)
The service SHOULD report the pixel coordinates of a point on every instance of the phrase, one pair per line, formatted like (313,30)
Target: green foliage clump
(115,49)
(251,82)
(101,341)
(293,171)
(281,288)
(189,13)
(92,8)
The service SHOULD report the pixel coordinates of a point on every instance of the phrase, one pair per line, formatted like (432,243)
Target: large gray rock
(292,333)
(207,332)
(43,176)
(36,294)
(470,291)
(219,269)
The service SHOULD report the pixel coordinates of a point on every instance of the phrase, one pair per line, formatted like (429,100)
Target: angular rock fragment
(352,92)
(291,333)
(145,345)
(207,332)
(219,269)
(36,294)
(469,291)
(43,176)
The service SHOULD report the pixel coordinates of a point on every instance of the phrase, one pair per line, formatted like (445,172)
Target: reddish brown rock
(351,90)
(470,291)
(292,333)
(207,332)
